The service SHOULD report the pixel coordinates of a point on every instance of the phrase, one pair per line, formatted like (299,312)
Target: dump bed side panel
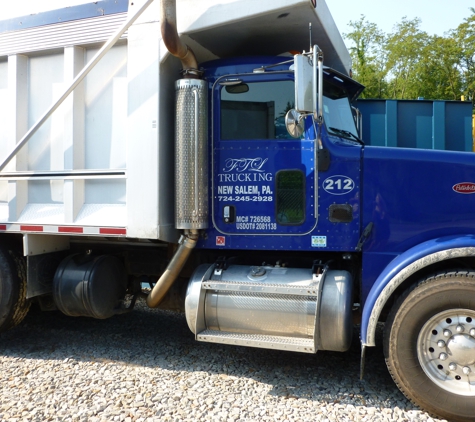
(72,171)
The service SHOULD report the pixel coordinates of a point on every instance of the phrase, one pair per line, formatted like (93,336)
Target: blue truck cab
(399,221)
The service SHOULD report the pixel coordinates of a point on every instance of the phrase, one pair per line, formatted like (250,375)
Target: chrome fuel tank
(274,307)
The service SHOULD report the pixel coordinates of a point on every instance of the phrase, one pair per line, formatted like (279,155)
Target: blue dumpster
(430,124)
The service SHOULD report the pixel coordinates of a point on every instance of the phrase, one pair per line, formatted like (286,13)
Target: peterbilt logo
(465,188)
(244,164)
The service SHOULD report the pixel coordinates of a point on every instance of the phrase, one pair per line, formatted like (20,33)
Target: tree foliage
(408,63)
(369,57)
(464,36)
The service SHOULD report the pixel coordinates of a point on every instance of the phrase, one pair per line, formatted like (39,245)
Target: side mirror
(308,70)
(294,123)
(304,84)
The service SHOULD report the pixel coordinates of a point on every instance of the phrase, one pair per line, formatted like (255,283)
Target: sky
(438,16)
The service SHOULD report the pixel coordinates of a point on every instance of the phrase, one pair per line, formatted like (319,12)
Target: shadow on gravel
(159,339)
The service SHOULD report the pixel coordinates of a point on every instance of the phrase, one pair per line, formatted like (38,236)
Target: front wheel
(429,345)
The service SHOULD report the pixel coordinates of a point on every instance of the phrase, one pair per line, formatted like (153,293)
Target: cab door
(264,180)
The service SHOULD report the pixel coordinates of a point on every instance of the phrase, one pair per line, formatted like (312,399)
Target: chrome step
(293,344)
(310,289)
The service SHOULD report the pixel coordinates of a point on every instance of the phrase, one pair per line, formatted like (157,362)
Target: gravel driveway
(146,366)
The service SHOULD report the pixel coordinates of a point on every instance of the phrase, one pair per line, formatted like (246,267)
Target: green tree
(437,74)
(368,54)
(409,63)
(464,36)
(405,46)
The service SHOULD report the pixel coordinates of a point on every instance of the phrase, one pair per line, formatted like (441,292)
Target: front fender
(403,266)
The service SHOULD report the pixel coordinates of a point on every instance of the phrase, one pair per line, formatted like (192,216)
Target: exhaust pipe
(173,43)
(190,151)
(187,243)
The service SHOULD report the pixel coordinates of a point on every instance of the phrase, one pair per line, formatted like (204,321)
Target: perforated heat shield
(191,169)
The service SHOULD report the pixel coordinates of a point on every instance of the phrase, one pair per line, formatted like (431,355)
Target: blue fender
(403,266)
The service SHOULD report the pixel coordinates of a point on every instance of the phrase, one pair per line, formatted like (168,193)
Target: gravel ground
(146,366)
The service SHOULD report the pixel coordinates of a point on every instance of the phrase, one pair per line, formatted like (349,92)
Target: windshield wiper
(347,133)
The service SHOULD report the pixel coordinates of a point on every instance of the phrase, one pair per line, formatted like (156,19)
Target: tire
(427,362)
(13,303)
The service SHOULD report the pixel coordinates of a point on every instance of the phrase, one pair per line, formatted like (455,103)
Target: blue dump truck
(215,157)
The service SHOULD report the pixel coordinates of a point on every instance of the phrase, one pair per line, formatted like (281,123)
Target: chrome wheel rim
(446,350)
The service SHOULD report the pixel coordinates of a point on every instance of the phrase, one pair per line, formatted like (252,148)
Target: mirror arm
(318,82)
(318,93)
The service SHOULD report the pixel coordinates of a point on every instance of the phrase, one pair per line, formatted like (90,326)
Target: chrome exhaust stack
(191,155)
(191,152)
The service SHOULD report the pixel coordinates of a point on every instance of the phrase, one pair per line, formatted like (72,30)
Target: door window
(256,111)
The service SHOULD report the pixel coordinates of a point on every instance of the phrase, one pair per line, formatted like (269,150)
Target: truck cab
(268,185)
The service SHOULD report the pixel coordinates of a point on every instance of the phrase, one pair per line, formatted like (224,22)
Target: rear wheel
(13,303)
(429,345)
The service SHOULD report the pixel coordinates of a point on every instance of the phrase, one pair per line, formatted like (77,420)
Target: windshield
(337,109)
